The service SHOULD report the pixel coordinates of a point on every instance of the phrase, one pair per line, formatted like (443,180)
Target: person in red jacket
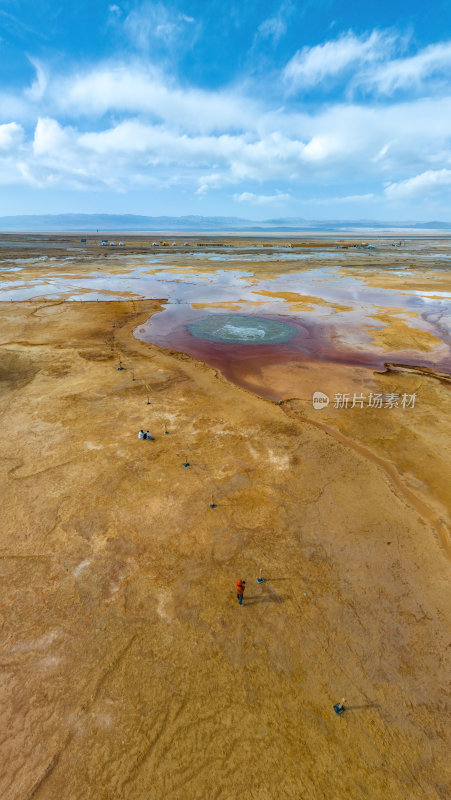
(240,587)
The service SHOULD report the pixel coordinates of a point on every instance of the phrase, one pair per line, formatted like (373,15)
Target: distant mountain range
(101,223)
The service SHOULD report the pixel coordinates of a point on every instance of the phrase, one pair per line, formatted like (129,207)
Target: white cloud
(275,27)
(161,145)
(272,28)
(372,62)
(213,181)
(351,198)
(313,65)
(280,146)
(11,134)
(321,147)
(26,173)
(154,22)
(138,89)
(261,199)
(428,182)
(38,87)
(355,198)
(49,137)
(410,72)
(129,125)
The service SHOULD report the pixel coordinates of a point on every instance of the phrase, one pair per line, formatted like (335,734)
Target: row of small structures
(107,243)
(335,245)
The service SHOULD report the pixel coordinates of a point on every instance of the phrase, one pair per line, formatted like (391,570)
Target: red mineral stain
(242,363)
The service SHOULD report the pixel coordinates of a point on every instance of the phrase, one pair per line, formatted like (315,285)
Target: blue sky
(319,109)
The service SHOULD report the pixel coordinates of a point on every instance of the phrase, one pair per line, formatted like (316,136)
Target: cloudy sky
(297,108)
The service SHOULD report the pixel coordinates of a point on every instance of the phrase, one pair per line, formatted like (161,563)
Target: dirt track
(129,671)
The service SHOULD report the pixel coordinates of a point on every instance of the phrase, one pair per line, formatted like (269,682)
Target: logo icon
(320,400)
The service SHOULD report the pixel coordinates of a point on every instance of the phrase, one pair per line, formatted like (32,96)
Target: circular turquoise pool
(239,329)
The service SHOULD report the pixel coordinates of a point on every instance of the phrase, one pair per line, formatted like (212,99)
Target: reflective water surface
(260,305)
(236,328)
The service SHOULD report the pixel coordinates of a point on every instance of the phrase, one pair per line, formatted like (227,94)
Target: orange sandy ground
(128,669)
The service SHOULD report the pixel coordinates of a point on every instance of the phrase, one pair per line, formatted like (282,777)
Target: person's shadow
(368,705)
(265,598)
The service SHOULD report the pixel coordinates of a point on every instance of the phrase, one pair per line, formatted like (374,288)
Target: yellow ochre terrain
(129,671)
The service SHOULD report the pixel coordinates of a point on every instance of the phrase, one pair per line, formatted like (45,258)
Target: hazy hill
(135,222)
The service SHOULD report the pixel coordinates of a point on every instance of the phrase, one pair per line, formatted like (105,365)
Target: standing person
(240,587)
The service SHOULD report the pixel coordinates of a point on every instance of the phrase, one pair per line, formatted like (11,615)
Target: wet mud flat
(311,344)
(361,317)
(126,659)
